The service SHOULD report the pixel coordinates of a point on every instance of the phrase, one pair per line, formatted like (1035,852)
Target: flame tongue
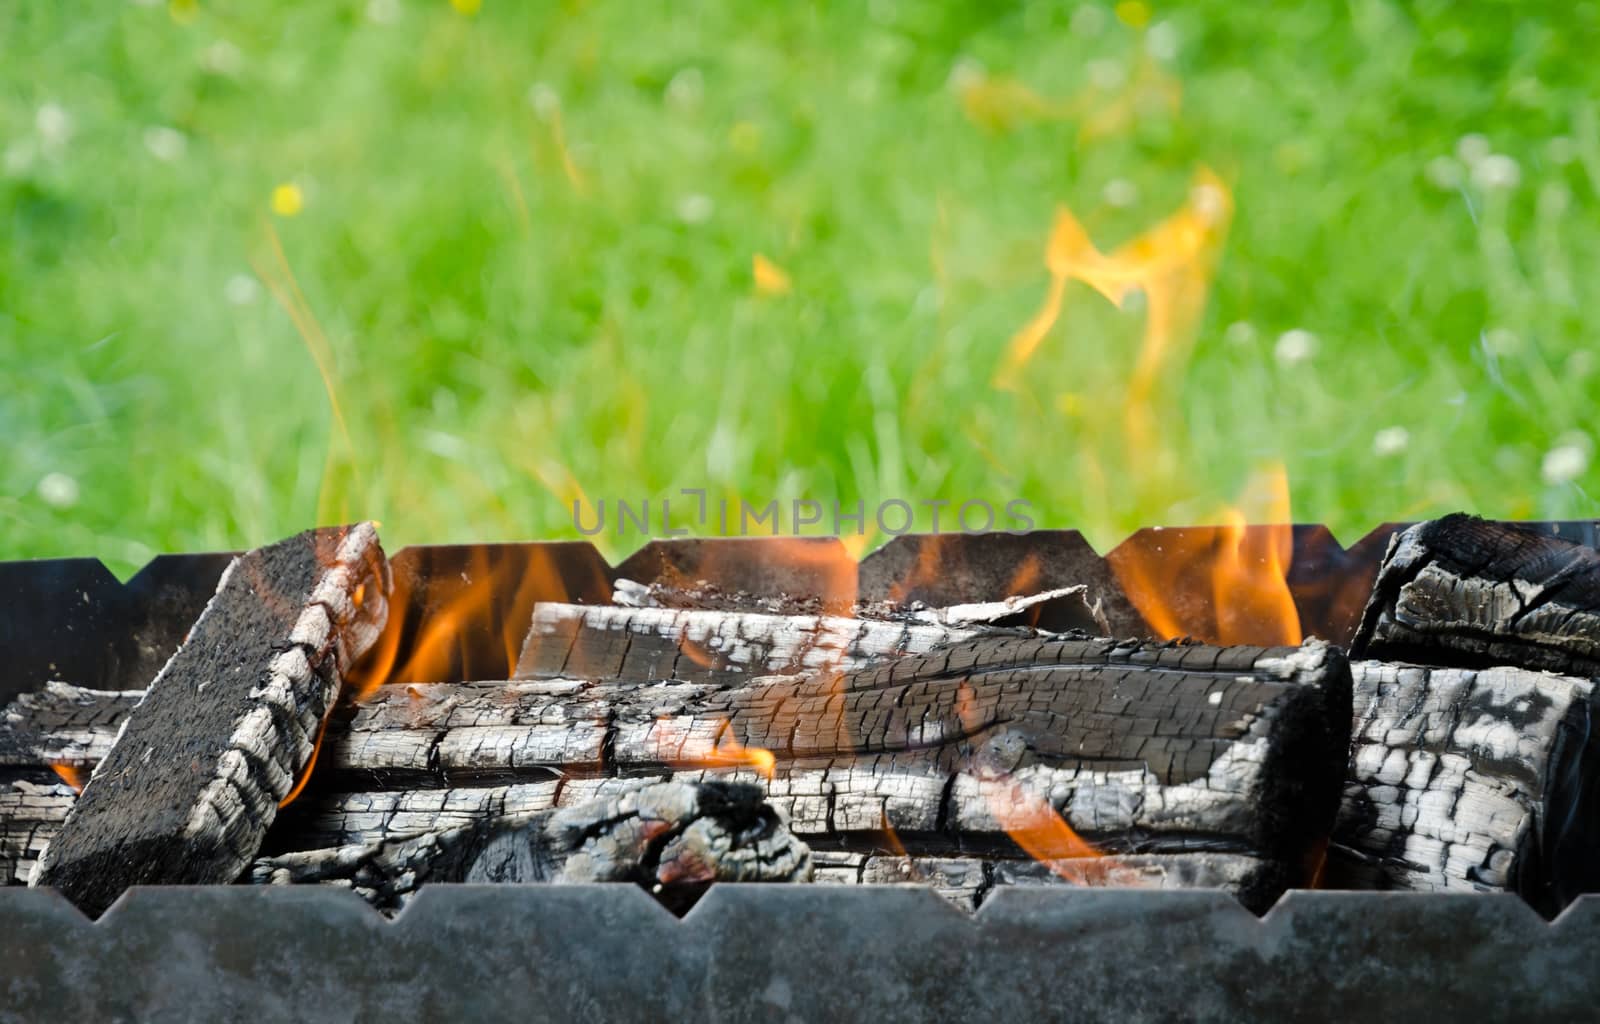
(1225,584)
(73,775)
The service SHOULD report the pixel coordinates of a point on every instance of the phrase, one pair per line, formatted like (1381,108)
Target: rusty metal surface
(748,953)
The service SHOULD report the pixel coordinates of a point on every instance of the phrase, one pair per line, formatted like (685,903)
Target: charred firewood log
(1467,592)
(1472,779)
(1186,764)
(193,780)
(672,837)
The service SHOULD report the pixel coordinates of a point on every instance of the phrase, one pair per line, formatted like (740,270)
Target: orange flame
(695,745)
(73,775)
(469,623)
(1223,584)
(1171,265)
(1028,818)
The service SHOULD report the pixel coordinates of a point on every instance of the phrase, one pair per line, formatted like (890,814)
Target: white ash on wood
(193,781)
(1469,592)
(670,836)
(31,814)
(1474,779)
(1160,750)
(968,881)
(63,724)
(698,645)
(1184,752)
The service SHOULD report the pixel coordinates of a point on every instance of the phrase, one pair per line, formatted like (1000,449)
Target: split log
(192,783)
(1059,610)
(669,836)
(704,646)
(1172,751)
(1471,593)
(1183,752)
(1471,779)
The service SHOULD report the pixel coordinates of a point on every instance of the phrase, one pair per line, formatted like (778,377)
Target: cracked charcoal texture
(670,836)
(1471,779)
(698,645)
(1467,592)
(1182,752)
(191,784)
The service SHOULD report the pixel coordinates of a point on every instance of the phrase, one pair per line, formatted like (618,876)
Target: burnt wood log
(1467,592)
(192,782)
(1157,750)
(1204,757)
(669,836)
(700,645)
(1474,779)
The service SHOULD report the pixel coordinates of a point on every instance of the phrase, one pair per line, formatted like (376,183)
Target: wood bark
(1188,764)
(1473,779)
(192,782)
(1466,592)
(666,835)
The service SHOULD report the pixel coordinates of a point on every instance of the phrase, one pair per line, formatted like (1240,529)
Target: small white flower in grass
(1088,20)
(1106,74)
(1240,333)
(1295,346)
(686,90)
(241,289)
(1472,148)
(1496,171)
(165,143)
(54,125)
(383,12)
(1390,441)
(58,490)
(1564,463)
(544,100)
(222,58)
(696,208)
(1161,42)
(1445,173)
(1120,192)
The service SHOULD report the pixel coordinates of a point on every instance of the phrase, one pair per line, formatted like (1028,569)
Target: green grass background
(526,244)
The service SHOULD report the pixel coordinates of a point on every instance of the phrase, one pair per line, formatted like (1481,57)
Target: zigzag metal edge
(751,952)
